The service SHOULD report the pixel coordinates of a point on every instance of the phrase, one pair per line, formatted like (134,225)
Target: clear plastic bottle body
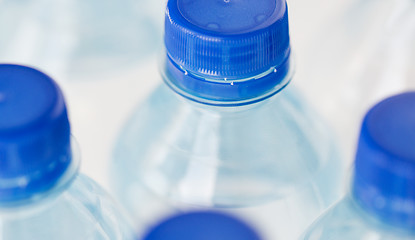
(273,162)
(75,208)
(347,220)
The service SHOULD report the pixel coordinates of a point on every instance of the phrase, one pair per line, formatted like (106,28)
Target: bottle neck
(227,92)
(391,211)
(41,198)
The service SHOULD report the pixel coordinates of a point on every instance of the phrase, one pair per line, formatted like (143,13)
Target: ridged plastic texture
(34,133)
(226,92)
(231,39)
(202,226)
(384,181)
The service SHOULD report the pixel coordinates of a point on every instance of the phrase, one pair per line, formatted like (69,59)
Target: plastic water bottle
(225,130)
(79,39)
(202,226)
(42,195)
(381,202)
(361,54)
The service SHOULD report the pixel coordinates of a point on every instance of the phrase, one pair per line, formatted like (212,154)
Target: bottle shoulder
(82,211)
(279,142)
(347,220)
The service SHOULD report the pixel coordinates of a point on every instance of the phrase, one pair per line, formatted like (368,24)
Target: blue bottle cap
(34,133)
(384,181)
(227,50)
(202,226)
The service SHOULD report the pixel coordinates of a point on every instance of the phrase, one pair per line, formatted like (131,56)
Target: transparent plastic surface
(360,55)
(273,162)
(79,38)
(347,220)
(75,208)
(83,211)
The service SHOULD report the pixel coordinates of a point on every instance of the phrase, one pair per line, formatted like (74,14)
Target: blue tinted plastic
(42,197)
(384,180)
(381,204)
(202,226)
(34,133)
(227,92)
(220,48)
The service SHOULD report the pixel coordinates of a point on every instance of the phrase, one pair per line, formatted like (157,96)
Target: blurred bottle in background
(42,195)
(381,202)
(80,39)
(202,226)
(359,55)
(225,130)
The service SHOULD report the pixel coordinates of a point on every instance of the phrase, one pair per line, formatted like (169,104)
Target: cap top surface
(228,16)
(26,97)
(391,125)
(202,226)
